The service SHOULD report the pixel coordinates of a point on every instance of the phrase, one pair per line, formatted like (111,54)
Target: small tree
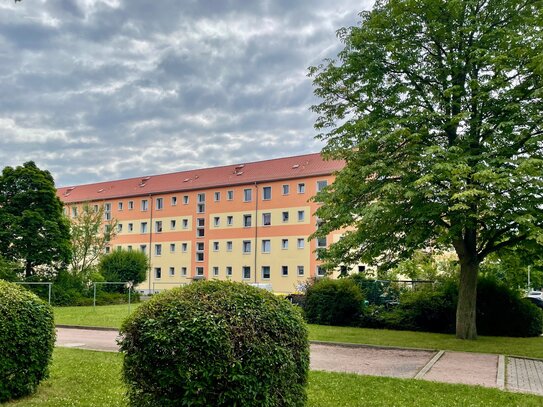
(90,236)
(123,265)
(33,229)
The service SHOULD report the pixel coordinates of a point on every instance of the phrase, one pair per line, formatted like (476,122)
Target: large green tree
(124,266)
(33,229)
(436,107)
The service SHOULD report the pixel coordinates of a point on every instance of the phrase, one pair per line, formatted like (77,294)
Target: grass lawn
(113,315)
(87,378)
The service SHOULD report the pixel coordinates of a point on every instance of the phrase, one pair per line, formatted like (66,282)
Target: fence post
(50,285)
(94,298)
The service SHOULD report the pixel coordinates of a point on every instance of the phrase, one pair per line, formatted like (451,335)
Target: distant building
(247,222)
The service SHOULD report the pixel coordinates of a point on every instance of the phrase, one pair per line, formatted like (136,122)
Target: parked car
(537,301)
(536,294)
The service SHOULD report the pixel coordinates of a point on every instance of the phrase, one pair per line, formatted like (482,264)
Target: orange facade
(253,229)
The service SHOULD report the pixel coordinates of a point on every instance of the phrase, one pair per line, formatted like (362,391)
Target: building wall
(173,243)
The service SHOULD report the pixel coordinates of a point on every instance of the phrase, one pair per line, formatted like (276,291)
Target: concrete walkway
(523,375)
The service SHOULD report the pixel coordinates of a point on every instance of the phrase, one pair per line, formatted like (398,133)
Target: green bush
(215,343)
(333,302)
(122,266)
(502,312)
(27,338)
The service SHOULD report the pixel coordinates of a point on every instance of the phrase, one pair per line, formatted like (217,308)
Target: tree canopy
(436,107)
(33,229)
(123,265)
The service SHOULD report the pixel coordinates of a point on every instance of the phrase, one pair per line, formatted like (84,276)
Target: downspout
(150,238)
(256,227)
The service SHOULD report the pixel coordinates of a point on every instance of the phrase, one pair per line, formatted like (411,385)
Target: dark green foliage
(27,338)
(122,265)
(333,302)
(33,229)
(216,343)
(501,311)
(8,270)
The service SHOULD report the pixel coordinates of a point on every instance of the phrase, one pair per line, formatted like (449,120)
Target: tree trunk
(466,327)
(28,269)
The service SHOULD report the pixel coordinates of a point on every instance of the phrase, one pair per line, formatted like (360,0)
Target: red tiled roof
(244,173)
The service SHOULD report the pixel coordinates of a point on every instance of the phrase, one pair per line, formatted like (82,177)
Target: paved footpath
(523,375)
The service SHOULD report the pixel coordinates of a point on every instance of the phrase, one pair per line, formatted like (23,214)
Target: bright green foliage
(33,229)
(27,338)
(216,343)
(123,265)
(8,270)
(90,236)
(436,107)
(333,302)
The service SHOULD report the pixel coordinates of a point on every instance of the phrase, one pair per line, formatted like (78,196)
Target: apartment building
(247,222)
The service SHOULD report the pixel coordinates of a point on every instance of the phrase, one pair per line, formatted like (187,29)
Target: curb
(89,328)
(361,345)
(500,379)
(429,365)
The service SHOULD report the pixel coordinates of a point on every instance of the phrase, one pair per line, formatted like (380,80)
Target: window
(300,270)
(130,227)
(200,246)
(247,195)
(107,207)
(246,272)
(321,185)
(216,221)
(200,231)
(120,206)
(158,249)
(301,188)
(159,203)
(284,244)
(172,271)
(215,271)
(229,220)
(130,205)
(286,189)
(144,204)
(201,208)
(247,221)
(184,247)
(343,272)
(285,216)
(199,271)
(266,219)
(246,246)
(119,227)
(95,208)
(143,248)
(321,242)
(173,201)
(158,226)
(321,271)
(129,248)
(230,195)
(158,273)
(266,193)
(199,257)
(183,271)
(229,246)
(301,243)
(301,216)
(215,246)
(185,199)
(284,271)
(172,247)
(217,196)
(107,211)
(229,271)
(266,272)
(172,224)
(361,269)
(201,198)
(143,227)
(266,246)
(185,223)
(200,251)
(107,249)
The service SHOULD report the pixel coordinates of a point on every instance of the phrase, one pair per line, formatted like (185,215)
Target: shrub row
(500,310)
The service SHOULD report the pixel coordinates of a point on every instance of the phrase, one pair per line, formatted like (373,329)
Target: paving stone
(525,375)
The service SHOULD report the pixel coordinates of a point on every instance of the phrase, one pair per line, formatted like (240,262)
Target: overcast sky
(97,90)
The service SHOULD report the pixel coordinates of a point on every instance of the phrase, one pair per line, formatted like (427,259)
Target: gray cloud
(105,89)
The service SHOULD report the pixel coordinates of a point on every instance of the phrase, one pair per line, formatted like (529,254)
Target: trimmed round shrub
(27,338)
(334,302)
(215,343)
